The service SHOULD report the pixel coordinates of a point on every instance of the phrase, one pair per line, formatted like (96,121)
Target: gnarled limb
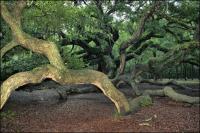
(46,48)
(127,78)
(145,99)
(8,47)
(65,77)
(57,70)
(137,35)
(168,91)
(175,20)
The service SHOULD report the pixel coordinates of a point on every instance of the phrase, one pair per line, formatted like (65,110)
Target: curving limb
(136,36)
(146,100)
(168,91)
(56,70)
(8,47)
(65,77)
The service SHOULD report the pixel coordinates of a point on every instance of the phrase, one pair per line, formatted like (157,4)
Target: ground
(93,112)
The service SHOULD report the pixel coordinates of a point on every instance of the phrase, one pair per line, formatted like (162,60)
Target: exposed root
(168,91)
(172,82)
(145,99)
(141,101)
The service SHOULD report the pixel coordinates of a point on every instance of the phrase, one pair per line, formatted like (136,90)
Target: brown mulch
(93,112)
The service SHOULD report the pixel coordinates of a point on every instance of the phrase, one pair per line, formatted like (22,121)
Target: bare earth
(93,112)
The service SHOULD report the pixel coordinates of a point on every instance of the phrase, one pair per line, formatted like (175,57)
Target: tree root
(84,76)
(145,99)
(168,91)
(172,82)
(138,102)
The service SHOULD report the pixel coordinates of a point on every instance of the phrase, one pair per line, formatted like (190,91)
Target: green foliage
(5,32)
(21,62)
(72,61)
(25,60)
(45,20)
(146,101)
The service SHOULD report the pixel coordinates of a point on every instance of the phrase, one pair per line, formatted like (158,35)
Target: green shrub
(72,61)
(146,101)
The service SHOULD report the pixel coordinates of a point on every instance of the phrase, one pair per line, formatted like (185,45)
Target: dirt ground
(93,112)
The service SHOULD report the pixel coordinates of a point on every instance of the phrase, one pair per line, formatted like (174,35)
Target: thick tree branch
(136,36)
(36,45)
(56,70)
(82,43)
(177,21)
(17,11)
(65,77)
(8,47)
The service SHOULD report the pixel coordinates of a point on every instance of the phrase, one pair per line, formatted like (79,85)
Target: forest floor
(93,112)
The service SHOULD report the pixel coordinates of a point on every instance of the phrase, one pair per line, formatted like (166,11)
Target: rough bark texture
(127,78)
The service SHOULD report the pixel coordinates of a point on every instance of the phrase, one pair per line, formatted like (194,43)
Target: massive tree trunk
(56,70)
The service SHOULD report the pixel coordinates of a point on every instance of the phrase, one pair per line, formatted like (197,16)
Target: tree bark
(137,35)
(65,77)
(8,47)
(172,83)
(168,91)
(56,71)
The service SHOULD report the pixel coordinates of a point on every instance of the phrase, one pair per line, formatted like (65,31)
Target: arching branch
(65,77)
(56,70)
(36,45)
(8,47)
